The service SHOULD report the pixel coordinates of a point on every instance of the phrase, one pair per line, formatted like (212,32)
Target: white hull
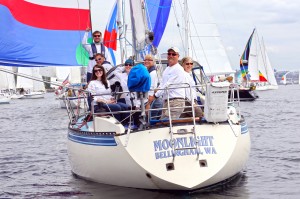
(144,161)
(266,87)
(15,96)
(5,99)
(34,95)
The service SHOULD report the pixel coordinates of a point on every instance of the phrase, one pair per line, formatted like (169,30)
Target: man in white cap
(173,77)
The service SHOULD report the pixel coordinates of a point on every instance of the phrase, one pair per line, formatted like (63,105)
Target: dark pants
(113,108)
(156,104)
(88,77)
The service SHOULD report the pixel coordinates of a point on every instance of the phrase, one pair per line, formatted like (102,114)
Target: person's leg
(113,108)
(176,108)
(156,104)
(124,107)
(187,112)
(88,77)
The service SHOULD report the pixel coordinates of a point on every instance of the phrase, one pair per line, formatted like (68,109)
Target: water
(34,162)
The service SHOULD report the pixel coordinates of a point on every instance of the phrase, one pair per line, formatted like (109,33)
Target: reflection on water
(34,162)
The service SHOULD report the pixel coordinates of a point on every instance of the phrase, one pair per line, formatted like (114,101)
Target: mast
(90,9)
(122,33)
(186,28)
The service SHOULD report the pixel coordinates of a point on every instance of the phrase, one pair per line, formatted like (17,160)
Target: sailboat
(6,85)
(31,89)
(71,77)
(255,65)
(164,154)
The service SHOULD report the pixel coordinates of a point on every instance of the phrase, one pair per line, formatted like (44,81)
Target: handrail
(73,115)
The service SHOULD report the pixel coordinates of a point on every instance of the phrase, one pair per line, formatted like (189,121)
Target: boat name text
(184,146)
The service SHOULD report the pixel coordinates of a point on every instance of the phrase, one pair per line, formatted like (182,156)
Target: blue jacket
(139,79)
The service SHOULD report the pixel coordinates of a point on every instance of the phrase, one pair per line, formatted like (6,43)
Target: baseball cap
(175,49)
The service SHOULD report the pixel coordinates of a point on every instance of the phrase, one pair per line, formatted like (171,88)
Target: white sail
(27,83)
(269,70)
(24,82)
(73,74)
(205,45)
(7,81)
(37,85)
(253,60)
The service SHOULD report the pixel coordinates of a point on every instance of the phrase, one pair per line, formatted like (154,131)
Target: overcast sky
(277,21)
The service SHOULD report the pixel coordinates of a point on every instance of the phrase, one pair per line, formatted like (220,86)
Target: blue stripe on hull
(244,128)
(95,140)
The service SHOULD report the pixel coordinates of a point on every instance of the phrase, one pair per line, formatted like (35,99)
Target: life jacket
(152,68)
(94,50)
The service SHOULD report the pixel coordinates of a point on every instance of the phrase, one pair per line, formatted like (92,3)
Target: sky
(277,21)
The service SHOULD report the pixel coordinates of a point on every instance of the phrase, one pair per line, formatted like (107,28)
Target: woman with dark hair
(101,92)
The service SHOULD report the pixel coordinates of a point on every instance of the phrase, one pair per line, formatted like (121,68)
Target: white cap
(175,49)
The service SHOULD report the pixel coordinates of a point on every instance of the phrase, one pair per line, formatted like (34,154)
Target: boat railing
(149,118)
(234,100)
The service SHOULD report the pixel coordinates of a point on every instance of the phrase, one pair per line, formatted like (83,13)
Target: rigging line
(236,51)
(197,36)
(263,55)
(175,13)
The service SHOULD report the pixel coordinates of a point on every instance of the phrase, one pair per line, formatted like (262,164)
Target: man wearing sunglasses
(173,77)
(93,48)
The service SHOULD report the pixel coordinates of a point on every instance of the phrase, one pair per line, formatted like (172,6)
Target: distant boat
(255,65)
(31,89)
(4,98)
(291,77)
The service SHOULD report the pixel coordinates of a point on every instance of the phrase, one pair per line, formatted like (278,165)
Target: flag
(66,81)
(261,77)
(110,34)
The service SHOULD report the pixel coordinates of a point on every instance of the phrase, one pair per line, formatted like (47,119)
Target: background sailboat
(255,65)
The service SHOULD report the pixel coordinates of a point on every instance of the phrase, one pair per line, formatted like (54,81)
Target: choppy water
(34,162)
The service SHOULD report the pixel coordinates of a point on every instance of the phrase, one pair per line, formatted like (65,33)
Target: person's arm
(84,41)
(154,81)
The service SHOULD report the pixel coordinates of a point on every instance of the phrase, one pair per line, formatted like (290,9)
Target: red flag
(110,34)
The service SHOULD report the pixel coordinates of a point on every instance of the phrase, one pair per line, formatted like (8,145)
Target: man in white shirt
(94,48)
(173,77)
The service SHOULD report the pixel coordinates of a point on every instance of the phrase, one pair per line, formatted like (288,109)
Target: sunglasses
(98,59)
(97,35)
(148,60)
(189,64)
(173,54)
(98,70)
(128,64)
